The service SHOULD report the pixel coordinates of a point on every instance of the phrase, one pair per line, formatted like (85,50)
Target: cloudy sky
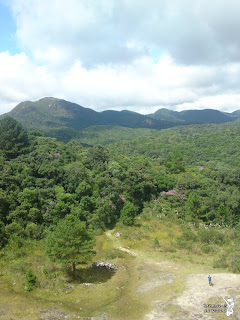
(139,55)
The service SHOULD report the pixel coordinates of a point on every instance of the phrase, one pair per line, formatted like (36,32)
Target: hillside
(195,116)
(163,208)
(64,120)
(197,144)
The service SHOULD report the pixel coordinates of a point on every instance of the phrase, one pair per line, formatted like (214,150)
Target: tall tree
(71,243)
(13,138)
(174,162)
(128,214)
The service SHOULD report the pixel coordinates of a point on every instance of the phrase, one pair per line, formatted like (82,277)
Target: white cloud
(141,86)
(224,102)
(109,31)
(136,54)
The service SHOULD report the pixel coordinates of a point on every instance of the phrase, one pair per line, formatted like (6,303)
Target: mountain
(195,116)
(53,112)
(167,115)
(64,119)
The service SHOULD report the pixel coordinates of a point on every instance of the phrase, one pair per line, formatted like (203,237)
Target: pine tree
(13,138)
(71,243)
(30,280)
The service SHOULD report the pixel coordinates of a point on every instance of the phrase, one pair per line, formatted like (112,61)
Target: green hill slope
(197,143)
(63,119)
(66,120)
(195,116)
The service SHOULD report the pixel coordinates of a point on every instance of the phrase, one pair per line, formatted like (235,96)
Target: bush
(33,231)
(188,235)
(128,214)
(186,239)
(113,254)
(234,264)
(221,262)
(207,248)
(30,281)
(184,244)
(211,236)
(156,242)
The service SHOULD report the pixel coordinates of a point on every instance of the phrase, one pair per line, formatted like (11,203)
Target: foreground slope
(151,283)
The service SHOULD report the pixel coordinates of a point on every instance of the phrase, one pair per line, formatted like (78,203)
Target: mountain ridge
(196,116)
(65,120)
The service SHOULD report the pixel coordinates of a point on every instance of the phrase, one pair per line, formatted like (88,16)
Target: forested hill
(197,144)
(195,116)
(65,120)
(42,180)
(57,116)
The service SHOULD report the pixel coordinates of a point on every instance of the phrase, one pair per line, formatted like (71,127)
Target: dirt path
(117,243)
(198,292)
(190,304)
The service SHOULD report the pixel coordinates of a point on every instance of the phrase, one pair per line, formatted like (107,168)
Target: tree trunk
(74,266)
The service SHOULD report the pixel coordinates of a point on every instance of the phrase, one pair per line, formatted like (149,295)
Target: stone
(105,265)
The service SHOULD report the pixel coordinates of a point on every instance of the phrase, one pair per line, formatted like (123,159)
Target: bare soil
(190,304)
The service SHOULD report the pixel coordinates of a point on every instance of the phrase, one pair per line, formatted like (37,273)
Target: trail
(118,246)
(191,303)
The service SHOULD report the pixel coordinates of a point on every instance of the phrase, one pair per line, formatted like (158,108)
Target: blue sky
(107,54)
(7,30)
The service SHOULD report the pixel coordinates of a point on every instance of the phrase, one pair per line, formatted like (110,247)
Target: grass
(127,294)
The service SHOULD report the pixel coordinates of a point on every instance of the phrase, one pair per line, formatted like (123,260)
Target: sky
(139,55)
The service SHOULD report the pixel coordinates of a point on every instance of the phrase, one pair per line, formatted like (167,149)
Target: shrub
(234,264)
(221,262)
(156,242)
(206,248)
(184,244)
(128,214)
(211,236)
(113,254)
(30,281)
(188,235)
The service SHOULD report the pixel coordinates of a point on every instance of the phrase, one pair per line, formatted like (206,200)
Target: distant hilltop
(59,117)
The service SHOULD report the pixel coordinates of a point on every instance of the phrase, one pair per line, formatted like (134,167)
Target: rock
(105,265)
(54,314)
(88,285)
(117,234)
(69,287)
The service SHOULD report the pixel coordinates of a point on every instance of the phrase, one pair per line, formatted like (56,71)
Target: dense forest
(190,173)
(175,191)
(43,180)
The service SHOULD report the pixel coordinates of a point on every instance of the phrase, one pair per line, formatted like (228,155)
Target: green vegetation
(71,243)
(30,281)
(171,194)
(13,138)
(195,116)
(65,120)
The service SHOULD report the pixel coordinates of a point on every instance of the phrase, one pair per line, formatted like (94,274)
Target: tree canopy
(13,138)
(71,242)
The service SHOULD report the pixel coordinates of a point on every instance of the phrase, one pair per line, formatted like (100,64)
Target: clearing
(148,285)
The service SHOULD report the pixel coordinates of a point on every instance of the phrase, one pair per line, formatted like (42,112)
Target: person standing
(210,280)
